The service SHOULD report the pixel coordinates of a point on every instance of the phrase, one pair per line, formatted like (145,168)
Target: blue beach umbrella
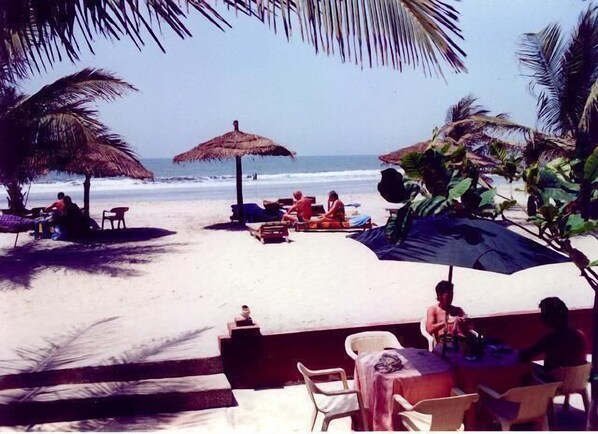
(461,242)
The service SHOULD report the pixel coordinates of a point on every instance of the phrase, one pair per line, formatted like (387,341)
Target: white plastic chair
(367,342)
(438,414)
(431,339)
(520,404)
(575,380)
(336,403)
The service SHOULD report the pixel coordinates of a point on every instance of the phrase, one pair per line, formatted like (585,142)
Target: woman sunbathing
(336,210)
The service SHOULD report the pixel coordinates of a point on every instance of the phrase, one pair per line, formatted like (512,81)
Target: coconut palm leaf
(41,131)
(420,33)
(579,71)
(562,72)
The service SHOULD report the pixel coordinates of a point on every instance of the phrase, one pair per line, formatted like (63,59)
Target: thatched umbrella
(396,156)
(102,161)
(235,144)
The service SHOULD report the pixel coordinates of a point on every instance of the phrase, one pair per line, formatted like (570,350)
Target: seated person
(302,207)
(444,317)
(563,346)
(42,224)
(336,210)
(58,206)
(72,224)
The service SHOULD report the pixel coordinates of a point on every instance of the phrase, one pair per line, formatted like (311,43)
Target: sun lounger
(269,231)
(353,224)
(15,224)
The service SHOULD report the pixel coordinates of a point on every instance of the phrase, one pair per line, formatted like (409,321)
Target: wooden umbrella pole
(450,276)
(86,188)
(240,190)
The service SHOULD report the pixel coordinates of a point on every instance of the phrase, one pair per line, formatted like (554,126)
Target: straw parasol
(102,161)
(396,156)
(235,144)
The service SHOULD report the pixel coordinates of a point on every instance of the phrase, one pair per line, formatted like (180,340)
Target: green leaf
(430,206)
(576,225)
(413,165)
(458,190)
(488,198)
(593,263)
(590,168)
(557,195)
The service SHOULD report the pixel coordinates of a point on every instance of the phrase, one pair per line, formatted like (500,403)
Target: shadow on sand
(228,226)
(105,252)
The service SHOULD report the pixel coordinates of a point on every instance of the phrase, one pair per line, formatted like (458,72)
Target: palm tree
(393,32)
(564,73)
(42,132)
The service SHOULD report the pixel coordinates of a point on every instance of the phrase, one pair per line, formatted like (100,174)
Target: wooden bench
(269,231)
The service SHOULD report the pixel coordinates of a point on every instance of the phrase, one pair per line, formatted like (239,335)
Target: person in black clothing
(564,346)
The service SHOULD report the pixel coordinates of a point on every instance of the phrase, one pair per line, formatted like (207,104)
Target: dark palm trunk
(15,198)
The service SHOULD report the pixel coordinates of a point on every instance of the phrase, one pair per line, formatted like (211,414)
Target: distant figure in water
(255,176)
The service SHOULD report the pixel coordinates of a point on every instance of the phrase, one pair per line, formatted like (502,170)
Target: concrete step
(69,402)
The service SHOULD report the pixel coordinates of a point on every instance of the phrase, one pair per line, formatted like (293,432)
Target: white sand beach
(197,278)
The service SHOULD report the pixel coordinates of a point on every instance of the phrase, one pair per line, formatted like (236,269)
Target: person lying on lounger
(444,316)
(336,210)
(302,207)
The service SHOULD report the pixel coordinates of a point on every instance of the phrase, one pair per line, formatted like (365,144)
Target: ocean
(274,177)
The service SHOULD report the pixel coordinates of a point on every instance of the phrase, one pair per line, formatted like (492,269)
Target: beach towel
(358,222)
(253,213)
(14,224)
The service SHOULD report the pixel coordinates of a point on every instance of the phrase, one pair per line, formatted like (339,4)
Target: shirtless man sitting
(302,207)
(444,316)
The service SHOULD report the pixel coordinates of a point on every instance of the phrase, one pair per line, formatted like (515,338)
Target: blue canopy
(461,242)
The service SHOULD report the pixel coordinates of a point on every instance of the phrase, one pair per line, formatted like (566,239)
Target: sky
(313,104)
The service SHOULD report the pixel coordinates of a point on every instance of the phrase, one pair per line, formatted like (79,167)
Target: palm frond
(420,33)
(541,54)
(84,86)
(579,71)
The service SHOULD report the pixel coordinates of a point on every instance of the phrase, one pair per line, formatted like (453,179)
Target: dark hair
(554,311)
(443,287)
(68,200)
(60,195)
(333,194)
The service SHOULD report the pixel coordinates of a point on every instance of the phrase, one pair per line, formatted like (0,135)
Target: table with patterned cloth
(498,368)
(423,375)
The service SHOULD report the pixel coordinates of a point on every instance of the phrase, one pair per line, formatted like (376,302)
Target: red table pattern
(424,375)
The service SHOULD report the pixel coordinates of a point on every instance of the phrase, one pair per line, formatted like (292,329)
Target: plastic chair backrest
(366,342)
(447,413)
(431,340)
(312,388)
(574,378)
(119,211)
(533,400)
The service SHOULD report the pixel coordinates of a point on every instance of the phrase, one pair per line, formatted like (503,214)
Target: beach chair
(364,342)
(269,231)
(575,380)
(431,340)
(520,404)
(115,214)
(333,404)
(438,414)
